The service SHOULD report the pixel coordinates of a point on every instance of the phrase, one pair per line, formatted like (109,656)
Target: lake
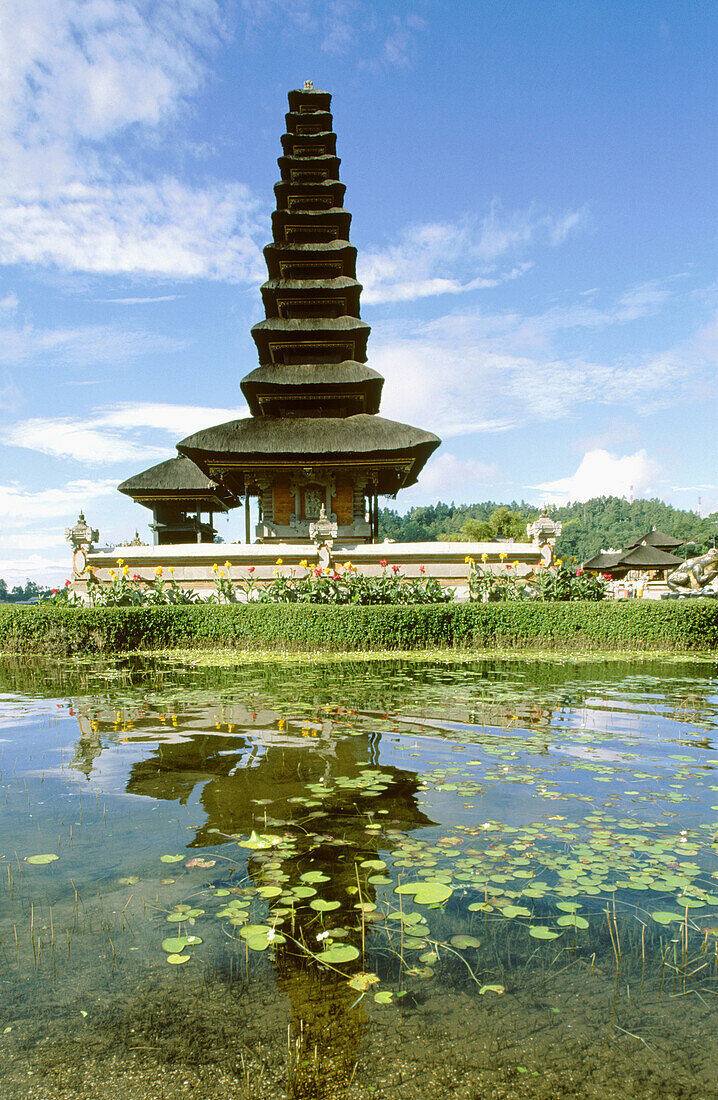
(370,879)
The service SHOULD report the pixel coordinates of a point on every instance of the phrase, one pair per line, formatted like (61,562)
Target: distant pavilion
(649,552)
(314,449)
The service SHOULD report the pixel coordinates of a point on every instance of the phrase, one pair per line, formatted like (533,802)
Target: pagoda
(314,452)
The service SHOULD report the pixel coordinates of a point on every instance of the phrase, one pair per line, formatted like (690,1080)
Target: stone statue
(696,576)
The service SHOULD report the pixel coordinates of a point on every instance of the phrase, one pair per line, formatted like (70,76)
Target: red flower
(579,572)
(55,591)
(395,568)
(422,569)
(606,576)
(336,576)
(136,577)
(383,563)
(507,565)
(250,569)
(67,584)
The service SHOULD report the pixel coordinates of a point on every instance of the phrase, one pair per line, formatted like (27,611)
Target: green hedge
(677,626)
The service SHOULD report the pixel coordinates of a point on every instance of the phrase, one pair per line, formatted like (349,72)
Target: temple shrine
(314,452)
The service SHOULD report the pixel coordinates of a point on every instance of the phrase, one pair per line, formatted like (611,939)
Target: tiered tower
(314,446)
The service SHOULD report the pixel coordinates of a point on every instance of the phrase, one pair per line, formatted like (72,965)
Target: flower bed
(340,584)
(562,580)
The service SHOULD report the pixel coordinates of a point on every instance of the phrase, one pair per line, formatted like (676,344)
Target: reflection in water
(255,778)
(561,812)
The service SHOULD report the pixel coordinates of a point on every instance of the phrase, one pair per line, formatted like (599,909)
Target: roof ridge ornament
(308,85)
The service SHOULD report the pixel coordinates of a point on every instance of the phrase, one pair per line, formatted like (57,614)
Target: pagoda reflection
(254,769)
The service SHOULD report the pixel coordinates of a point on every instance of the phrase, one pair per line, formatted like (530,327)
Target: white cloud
(178,420)
(456,257)
(76,74)
(33,540)
(110,434)
(139,301)
(20,343)
(146,229)
(448,477)
(470,372)
(19,506)
(63,437)
(36,567)
(601,473)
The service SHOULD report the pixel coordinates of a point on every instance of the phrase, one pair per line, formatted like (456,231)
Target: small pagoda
(314,452)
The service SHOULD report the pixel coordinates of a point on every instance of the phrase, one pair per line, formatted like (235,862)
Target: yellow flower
(279,561)
(484,557)
(469,560)
(227,566)
(120,561)
(215,567)
(502,555)
(326,569)
(221,572)
(172,569)
(113,574)
(516,564)
(158,571)
(303,563)
(276,572)
(125,570)
(348,565)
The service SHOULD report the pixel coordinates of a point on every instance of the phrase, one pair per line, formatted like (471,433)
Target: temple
(314,452)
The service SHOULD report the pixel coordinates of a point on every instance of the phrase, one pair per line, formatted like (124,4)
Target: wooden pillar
(375,517)
(247,525)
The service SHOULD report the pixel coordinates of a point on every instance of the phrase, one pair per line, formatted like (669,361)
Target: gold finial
(308,85)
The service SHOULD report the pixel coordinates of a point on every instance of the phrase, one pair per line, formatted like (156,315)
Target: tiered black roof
(312,394)
(312,344)
(313,337)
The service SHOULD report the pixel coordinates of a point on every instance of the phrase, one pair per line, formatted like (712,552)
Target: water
(222,918)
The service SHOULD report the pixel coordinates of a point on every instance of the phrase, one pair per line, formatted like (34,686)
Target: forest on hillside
(601,523)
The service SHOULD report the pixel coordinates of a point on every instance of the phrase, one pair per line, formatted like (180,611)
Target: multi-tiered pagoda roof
(314,439)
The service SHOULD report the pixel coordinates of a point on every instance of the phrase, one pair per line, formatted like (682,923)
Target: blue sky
(533,190)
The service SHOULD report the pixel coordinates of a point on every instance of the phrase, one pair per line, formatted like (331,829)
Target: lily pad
(323,906)
(171,859)
(47,857)
(462,942)
(491,989)
(314,876)
(572,920)
(175,944)
(385,997)
(339,953)
(541,932)
(177,960)
(426,893)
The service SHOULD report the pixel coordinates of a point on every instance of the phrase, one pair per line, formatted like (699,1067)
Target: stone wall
(191,565)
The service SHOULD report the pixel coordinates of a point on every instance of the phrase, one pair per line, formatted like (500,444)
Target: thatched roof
(657,538)
(648,557)
(312,441)
(603,560)
(308,379)
(636,557)
(176,479)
